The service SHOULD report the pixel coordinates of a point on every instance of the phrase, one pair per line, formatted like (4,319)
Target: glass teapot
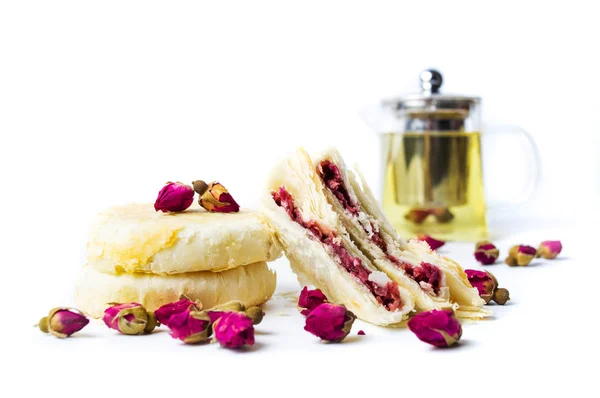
(432,166)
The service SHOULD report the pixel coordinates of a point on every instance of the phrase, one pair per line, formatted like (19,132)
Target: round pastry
(137,239)
(253,284)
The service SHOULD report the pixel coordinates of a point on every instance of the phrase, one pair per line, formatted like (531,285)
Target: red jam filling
(387,295)
(377,239)
(427,273)
(332,178)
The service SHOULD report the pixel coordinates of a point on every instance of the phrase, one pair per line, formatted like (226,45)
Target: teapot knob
(431,81)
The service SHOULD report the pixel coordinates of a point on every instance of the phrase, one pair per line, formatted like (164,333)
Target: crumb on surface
(361,333)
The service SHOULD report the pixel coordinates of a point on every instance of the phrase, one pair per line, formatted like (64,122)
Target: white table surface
(543,341)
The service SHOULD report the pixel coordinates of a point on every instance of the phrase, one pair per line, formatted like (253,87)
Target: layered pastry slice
(321,252)
(435,281)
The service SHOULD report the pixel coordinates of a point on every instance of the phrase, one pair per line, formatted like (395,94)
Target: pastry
(136,239)
(252,284)
(356,207)
(320,250)
(435,281)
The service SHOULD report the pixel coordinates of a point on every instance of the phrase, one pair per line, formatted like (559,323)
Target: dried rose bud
(417,216)
(436,327)
(523,254)
(256,314)
(549,249)
(217,199)
(63,322)
(442,215)
(434,244)
(501,296)
(310,299)
(486,253)
(330,322)
(174,197)
(164,313)
(234,330)
(483,282)
(130,318)
(190,326)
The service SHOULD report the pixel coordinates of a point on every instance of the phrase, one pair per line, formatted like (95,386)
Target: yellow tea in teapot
(433,184)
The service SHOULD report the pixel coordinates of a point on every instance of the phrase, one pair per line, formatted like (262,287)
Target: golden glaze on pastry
(136,239)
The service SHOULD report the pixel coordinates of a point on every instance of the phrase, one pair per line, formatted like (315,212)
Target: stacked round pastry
(136,254)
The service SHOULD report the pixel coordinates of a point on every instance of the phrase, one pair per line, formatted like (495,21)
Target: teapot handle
(533,181)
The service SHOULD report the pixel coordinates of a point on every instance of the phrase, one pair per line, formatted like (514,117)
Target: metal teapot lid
(431,101)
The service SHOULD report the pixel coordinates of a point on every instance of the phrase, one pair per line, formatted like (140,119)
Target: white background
(102,102)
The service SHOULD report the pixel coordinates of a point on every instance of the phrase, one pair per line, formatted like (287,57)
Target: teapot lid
(430,100)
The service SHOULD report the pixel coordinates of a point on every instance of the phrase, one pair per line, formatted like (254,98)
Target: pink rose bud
(310,299)
(330,322)
(434,244)
(234,330)
(549,249)
(217,199)
(521,255)
(436,327)
(165,312)
(130,318)
(63,322)
(486,253)
(484,282)
(190,326)
(174,197)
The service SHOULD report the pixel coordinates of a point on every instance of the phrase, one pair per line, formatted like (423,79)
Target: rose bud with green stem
(484,282)
(63,322)
(129,318)
(522,255)
(190,326)
(234,330)
(165,312)
(549,249)
(486,252)
(217,198)
(330,322)
(439,328)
